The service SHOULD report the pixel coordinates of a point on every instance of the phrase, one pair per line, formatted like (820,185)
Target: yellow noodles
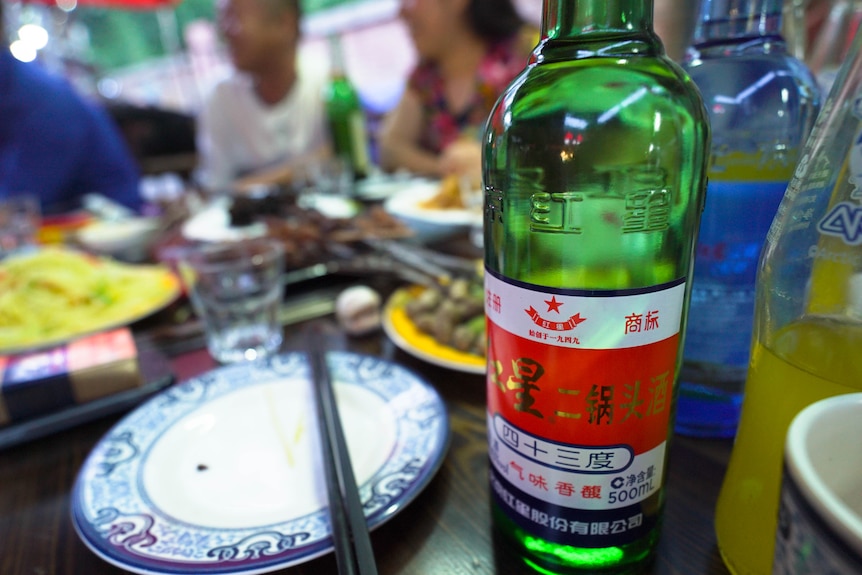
(55,294)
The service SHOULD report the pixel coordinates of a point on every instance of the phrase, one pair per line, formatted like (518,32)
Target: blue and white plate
(222,473)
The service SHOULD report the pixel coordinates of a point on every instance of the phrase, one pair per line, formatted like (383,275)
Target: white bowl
(127,239)
(430,224)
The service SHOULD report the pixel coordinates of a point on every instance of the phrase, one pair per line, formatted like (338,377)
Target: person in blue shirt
(57,145)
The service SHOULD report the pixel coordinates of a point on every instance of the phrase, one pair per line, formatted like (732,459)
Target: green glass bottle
(594,171)
(347,122)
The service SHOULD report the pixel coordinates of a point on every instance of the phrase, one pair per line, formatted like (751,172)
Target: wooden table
(445,531)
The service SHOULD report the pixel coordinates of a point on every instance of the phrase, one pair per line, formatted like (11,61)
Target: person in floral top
(468,51)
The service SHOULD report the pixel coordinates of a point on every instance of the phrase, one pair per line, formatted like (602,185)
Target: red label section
(590,397)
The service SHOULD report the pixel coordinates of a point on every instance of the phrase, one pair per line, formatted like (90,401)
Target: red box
(89,368)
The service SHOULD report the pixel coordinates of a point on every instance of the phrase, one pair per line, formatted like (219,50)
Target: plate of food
(52,295)
(227,219)
(379,186)
(435,210)
(213,224)
(223,473)
(443,325)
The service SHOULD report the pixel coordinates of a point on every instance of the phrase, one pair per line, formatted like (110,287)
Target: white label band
(587,322)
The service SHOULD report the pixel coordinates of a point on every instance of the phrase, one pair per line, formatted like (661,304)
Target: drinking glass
(332,176)
(236,289)
(19,222)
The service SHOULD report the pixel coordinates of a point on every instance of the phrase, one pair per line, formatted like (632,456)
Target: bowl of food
(435,210)
(128,239)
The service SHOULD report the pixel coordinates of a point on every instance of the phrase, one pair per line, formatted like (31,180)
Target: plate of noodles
(53,295)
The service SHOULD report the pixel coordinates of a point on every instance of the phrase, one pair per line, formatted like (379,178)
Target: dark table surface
(446,530)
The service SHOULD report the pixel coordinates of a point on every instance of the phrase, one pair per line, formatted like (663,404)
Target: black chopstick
(353,550)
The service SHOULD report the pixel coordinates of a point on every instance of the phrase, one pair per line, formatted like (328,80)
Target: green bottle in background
(347,122)
(594,171)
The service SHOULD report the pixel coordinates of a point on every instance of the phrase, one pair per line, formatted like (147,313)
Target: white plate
(429,224)
(221,474)
(379,186)
(329,205)
(212,224)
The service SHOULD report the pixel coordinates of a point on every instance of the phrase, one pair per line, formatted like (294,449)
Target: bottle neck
(574,29)
(336,57)
(732,19)
(571,19)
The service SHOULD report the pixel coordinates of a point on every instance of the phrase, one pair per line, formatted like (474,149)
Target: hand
(464,159)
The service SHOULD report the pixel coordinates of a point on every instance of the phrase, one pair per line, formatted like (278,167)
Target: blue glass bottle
(762,102)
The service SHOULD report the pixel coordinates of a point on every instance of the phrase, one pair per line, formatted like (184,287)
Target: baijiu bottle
(594,167)
(346,118)
(762,102)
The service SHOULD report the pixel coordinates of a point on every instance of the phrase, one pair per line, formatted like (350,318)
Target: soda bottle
(808,319)
(347,123)
(594,164)
(761,103)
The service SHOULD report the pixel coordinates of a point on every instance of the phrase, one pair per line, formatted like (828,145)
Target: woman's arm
(399,139)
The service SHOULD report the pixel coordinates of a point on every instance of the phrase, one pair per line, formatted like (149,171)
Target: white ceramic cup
(820,517)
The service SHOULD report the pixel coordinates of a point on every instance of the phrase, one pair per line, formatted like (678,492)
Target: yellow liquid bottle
(808,321)
(826,362)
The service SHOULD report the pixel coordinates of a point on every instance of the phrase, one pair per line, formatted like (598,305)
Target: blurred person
(56,144)
(830,28)
(674,22)
(468,52)
(267,118)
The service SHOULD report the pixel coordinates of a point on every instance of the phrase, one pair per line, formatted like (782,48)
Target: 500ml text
(635,493)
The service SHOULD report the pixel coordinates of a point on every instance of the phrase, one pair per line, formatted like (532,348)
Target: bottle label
(844,219)
(580,392)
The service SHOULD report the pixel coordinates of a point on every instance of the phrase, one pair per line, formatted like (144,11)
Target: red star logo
(553,304)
